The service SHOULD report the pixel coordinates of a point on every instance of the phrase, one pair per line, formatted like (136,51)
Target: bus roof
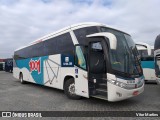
(67,29)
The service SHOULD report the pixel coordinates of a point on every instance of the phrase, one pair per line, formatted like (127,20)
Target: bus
(84,60)
(147,60)
(8,65)
(1,66)
(157,57)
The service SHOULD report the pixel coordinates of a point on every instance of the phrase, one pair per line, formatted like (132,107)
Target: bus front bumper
(116,93)
(158,80)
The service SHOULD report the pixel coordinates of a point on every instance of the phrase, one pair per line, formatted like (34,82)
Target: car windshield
(125,58)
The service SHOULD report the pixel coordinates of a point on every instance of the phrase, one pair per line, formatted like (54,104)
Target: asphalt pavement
(15,96)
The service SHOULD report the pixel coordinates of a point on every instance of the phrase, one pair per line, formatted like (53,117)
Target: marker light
(135,93)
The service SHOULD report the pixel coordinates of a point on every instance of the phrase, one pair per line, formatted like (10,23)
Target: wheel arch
(67,77)
(20,73)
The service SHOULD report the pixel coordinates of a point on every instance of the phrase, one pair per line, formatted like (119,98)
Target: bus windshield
(143,53)
(125,58)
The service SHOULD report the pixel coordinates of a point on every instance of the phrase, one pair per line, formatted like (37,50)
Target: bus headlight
(117,83)
(125,85)
(122,85)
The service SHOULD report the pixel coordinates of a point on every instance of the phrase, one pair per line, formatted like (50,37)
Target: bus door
(97,69)
(81,74)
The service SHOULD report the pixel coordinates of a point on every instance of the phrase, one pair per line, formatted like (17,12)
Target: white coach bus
(87,59)
(157,57)
(147,60)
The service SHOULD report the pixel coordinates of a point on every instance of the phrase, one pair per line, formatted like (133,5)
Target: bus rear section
(157,58)
(84,60)
(147,60)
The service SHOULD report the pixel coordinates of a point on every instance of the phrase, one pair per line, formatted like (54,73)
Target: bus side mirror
(112,38)
(141,45)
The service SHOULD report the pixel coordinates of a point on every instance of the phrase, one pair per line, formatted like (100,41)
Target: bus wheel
(21,78)
(69,89)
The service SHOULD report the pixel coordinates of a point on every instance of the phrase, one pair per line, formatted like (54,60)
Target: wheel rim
(72,89)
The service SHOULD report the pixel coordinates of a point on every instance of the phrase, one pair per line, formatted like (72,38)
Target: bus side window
(80,58)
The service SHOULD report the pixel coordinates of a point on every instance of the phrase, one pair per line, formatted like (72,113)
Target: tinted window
(81,34)
(31,51)
(50,46)
(21,54)
(124,59)
(65,44)
(143,53)
(147,58)
(37,50)
(58,45)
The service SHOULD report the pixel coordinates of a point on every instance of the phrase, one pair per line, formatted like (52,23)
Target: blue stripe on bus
(37,76)
(147,64)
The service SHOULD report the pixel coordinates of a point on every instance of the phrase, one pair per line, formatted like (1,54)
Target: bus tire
(69,89)
(21,78)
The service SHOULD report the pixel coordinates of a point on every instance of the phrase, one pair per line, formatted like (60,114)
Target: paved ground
(17,97)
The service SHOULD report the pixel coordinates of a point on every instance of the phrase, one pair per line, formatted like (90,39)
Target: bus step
(102,80)
(101,91)
(102,85)
(92,91)
(100,97)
